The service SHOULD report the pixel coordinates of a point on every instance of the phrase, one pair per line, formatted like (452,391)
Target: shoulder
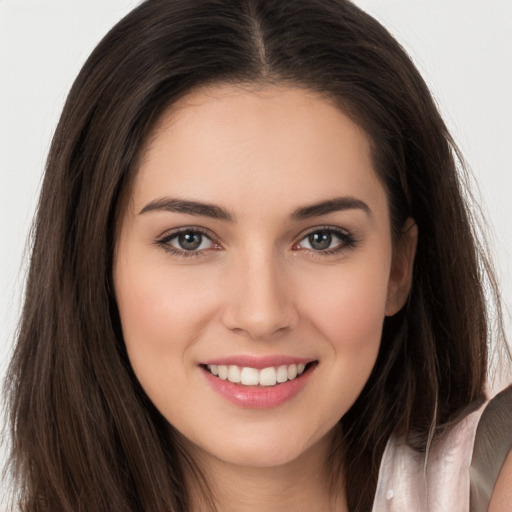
(463,463)
(436,480)
(502,495)
(493,451)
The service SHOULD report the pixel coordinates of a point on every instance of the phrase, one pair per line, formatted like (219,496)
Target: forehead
(229,142)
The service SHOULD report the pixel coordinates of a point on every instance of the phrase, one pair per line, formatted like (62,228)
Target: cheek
(354,318)
(348,306)
(155,302)
(162,314)
(347,313)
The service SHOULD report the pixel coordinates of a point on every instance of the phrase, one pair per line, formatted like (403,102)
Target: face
(254,268)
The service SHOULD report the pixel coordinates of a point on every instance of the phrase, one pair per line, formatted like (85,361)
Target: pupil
(190,241)
(320,241)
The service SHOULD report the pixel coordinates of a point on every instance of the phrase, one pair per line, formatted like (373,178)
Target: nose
(259,302)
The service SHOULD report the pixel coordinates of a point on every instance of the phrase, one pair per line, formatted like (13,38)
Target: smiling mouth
(265,377)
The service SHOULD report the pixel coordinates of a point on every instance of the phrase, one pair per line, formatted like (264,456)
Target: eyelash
(347,241)
(164,242)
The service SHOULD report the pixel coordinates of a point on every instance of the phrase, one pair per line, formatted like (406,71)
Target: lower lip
(258,397)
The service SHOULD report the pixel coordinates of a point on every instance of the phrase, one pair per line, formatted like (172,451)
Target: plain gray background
(462,47)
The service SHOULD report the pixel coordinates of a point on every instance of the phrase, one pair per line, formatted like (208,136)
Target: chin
(263,457)
(266,448)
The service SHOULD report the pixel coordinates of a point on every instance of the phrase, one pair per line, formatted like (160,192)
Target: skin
(257,286)
(502,496)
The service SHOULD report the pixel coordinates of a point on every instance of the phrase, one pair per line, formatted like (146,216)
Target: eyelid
(168,233)
(164,239)
(348,240)
(330,229)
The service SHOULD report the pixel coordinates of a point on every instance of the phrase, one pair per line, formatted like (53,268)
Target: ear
(400,276)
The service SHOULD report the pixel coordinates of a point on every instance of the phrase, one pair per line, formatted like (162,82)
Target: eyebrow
(332,205)
(216,212)
(188,207)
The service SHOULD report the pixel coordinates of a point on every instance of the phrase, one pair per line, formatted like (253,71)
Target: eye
(328,240)
(190,241)
(187,242)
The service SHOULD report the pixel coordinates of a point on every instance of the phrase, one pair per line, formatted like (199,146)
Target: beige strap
(493,442)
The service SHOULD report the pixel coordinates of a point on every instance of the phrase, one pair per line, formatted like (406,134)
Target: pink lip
(258,362)
(257,397)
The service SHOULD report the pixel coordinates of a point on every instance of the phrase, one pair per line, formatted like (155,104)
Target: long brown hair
(85,436)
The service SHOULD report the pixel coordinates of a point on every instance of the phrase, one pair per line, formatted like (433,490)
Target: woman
(253,270)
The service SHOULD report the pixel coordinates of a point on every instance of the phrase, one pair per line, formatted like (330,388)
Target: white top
(407,483)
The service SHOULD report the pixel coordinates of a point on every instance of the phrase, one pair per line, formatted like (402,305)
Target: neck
(301,484)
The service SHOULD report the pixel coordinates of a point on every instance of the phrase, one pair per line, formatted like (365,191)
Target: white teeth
(234,374)
(252,377)
(282,373)
(223,371)
(268,377)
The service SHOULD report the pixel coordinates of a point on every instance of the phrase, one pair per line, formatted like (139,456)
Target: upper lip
(258,362)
